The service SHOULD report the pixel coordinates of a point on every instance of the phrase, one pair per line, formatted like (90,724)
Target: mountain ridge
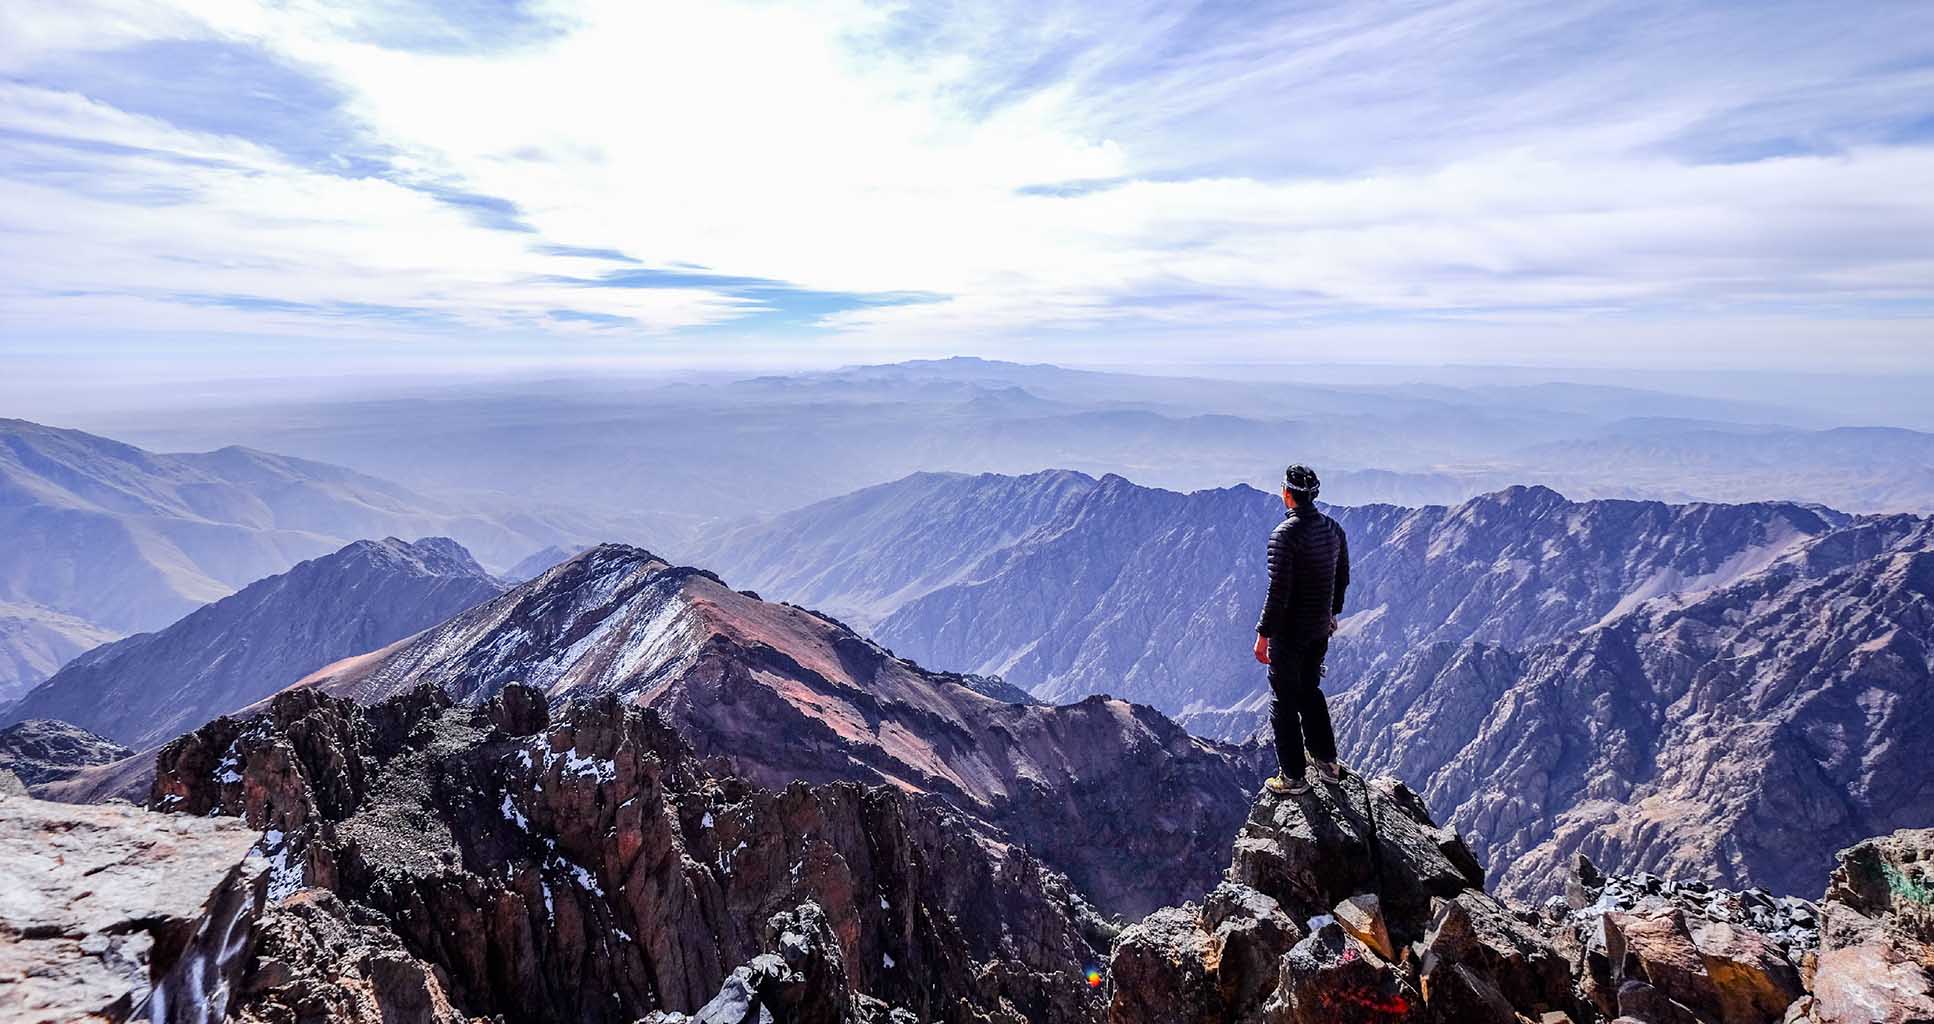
(785,693)
(147,688)
(109,539)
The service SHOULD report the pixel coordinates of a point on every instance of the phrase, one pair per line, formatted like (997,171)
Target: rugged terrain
(425,860)
(41,750)
(495,859)
(1348,905)
(1663,687)
(1117,796)
(149,688)
(1067,585)
(1688,735)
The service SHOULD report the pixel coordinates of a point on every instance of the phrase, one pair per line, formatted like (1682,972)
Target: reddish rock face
(1876,960)
(1133,809)
(502,860)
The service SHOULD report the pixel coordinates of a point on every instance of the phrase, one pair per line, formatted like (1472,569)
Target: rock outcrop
(42,750)
(1118,797)
(1345,904)
(115,913)
(1348,904)
(500,859)
(1876,957)
(1654,949)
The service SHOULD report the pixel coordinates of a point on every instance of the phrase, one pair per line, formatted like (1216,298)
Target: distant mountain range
(1744,733)
(1067,585)
(1663,687)
(106,539)
(715,447)
(1130,806)
(146,689)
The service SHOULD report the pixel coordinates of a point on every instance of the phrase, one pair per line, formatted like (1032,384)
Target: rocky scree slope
(149,688)
(41,750)
(1125,802)
(1687,736)
(437,861)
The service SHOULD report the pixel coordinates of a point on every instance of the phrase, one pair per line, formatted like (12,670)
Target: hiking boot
(1331,771)
(1282,785)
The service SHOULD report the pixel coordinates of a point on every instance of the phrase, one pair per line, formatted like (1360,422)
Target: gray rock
(42,750)
(115,913)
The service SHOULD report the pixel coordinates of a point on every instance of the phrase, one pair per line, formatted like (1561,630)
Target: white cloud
(1439,162)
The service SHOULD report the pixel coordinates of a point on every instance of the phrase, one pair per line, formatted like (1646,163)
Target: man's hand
(1262,648)
(1332,625)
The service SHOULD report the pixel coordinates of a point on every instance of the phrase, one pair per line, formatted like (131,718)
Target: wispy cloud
(970,174)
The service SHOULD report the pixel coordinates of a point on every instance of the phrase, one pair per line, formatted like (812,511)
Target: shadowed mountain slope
(1067,585)
(146,689)
(1687,736)
(106,539)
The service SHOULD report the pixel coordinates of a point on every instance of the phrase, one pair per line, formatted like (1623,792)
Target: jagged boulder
(1398,926)
(1331,978)
(1474,936)
(803,981)
(525,863)
(1165,969)
(1250,933)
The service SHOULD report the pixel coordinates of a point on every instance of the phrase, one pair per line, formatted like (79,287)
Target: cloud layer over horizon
(1451,181)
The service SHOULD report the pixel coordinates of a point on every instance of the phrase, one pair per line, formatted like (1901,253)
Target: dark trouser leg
(1285,706)
(1314,708)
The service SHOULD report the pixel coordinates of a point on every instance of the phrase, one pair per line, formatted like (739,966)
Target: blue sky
(1578,183)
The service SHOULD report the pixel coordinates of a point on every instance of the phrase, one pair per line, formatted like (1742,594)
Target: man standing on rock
(1309,569)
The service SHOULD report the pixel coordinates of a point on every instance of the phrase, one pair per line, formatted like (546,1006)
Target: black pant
(1295,678)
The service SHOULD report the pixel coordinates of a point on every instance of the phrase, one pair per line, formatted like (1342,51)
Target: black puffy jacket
(1309,569)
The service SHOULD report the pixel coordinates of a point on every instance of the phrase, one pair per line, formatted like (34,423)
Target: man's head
(1300,487)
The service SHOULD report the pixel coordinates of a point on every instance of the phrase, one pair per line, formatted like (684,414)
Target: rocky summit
(1345,904)
(431,861)
(1115,795)
(1348,905)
